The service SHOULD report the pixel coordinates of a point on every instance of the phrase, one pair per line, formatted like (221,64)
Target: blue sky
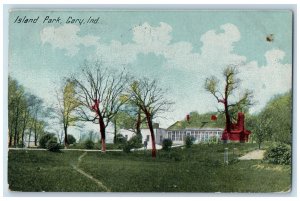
(180,49)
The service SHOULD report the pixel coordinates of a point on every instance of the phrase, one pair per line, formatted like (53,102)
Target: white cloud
(218,48)
(152,39)
(216,52)
(66,37)
(266,81)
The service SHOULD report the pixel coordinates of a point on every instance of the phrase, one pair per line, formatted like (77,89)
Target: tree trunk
(30,130)
(66,143)
(227,116)
(115,130)
(149,121)
(16,127)
(10,135)
(102,132)
(138,126)
(35,133)
(24,128)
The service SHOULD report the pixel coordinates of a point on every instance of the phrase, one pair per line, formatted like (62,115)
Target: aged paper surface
(150,101)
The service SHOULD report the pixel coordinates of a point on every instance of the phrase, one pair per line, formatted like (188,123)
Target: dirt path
(98,182)
(253,155)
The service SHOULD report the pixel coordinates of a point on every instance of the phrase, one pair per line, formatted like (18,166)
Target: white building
(178,135)
(199,134)
(159,133)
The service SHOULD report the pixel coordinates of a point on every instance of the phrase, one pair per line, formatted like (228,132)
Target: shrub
(71,139)
(167,144)
(52,145)
(189,141)
(278,154)
(135,141)
(89,144)
(44,139)
(120,139)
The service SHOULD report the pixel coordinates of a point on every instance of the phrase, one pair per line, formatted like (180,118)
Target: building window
(169,134)
(202,137)
(148,137)
(173,136)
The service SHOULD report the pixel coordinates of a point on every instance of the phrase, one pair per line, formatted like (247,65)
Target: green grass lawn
(198,169)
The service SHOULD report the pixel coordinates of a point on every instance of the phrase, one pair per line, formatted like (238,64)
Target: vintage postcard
(150,101)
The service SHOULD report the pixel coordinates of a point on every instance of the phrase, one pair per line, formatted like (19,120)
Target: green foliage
(89,144)
(189,141)
(133,143)
(120,139)
(279,113)
(52,145)
(44,139)
(260,127)
(167,144)
(71,139)
(278,154)
(213,140)
(24,111)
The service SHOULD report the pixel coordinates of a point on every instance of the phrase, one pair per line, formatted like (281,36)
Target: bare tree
(231,84)
(66,106)
(100,92)
(149,97)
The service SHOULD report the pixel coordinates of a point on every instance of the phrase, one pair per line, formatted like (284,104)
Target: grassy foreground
(198,169)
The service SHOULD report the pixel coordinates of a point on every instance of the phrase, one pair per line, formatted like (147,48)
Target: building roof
(185,125)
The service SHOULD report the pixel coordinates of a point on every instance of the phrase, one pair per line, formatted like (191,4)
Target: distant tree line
(26,115)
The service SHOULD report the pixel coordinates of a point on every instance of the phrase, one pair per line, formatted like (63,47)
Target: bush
(44,139)
(52,145)
(167,144)
(71,139)
(133,143)
(278,154)
(89,144)
(120,139)
(189,141)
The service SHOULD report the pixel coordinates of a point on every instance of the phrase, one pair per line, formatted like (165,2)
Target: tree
(15,109)
(260,125)
(66,106)
(279,112)
(25,112)
(231,107)
(149,98)
(100,94)
(37,124)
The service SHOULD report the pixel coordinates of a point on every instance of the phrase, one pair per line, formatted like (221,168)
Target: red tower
(238,131)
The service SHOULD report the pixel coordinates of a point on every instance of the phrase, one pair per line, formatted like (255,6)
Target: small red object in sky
(213,117)
(188,118)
